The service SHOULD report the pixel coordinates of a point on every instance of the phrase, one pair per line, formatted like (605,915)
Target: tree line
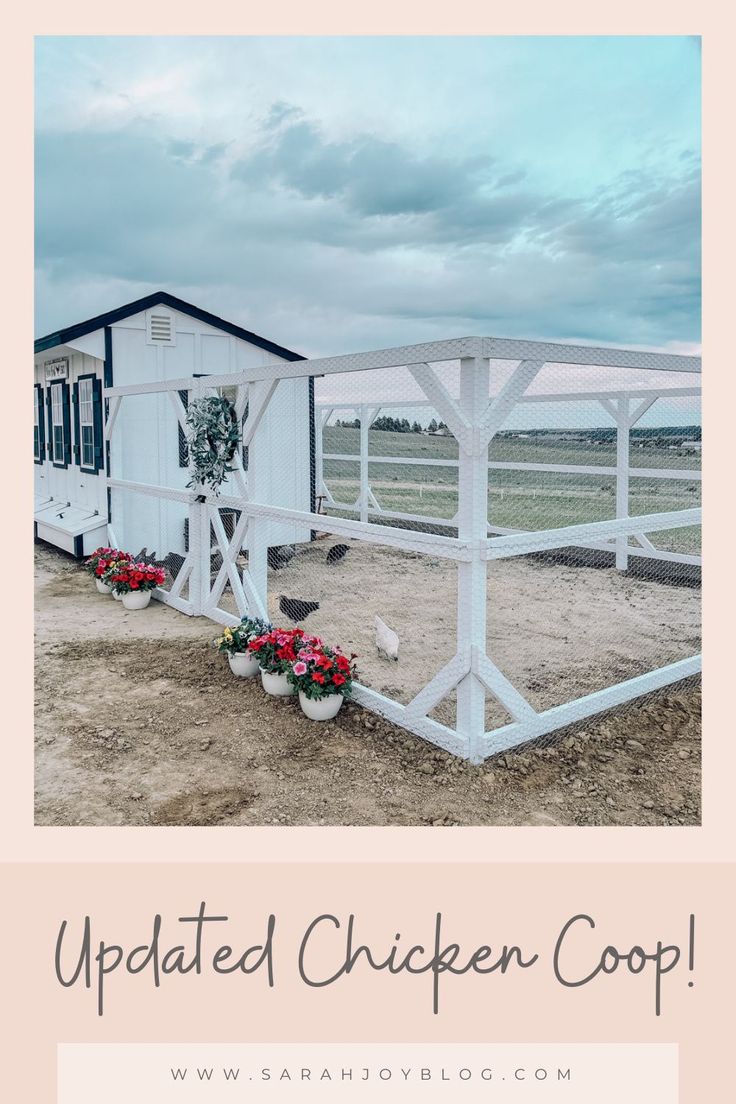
(393,425)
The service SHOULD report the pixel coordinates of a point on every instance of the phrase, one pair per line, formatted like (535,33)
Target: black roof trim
(61,337)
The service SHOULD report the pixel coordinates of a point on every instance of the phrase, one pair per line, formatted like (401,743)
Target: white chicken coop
(149,342)
(551,428)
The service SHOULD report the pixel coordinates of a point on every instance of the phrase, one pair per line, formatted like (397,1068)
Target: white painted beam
(500,407)
(472,519)
(441,399)
(556,396)
(510,736)
(498,348)
(685,474)
(432,731)
(443,683)
(520,544)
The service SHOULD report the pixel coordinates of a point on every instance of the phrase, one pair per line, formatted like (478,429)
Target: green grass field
(523,500)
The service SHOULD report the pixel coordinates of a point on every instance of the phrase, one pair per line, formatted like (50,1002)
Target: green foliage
(213,435)
(235,640)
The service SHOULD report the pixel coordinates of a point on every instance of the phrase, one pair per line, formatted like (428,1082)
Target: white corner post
(623,427)
(261,393)
(321,418)
(199,536)
(472,522)
(367,415)
(625,417)
(363,499)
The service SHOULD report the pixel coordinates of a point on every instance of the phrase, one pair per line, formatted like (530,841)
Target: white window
(37,415)
(86,424)
(57,423)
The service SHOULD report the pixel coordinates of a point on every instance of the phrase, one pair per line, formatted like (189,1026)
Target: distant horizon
(574,425)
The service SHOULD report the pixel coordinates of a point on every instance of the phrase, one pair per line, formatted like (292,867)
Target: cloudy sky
(337,194)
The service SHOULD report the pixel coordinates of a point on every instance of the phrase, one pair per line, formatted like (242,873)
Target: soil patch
(139,722)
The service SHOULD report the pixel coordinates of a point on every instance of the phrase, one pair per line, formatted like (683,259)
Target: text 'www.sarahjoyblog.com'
(378,1075)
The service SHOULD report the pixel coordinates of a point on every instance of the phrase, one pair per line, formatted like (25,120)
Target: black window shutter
(41,424)
(77,442)
(67,425)
(97,419)
(50,423)
(183,449)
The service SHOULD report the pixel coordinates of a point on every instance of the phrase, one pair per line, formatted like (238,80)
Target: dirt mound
(202,809)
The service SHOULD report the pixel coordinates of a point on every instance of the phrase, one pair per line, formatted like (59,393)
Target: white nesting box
(156,338)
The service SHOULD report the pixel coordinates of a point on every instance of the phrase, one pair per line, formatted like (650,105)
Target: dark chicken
(296,609)
(337,552)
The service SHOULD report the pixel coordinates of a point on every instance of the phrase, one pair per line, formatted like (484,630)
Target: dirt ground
(557,631)
(139,722)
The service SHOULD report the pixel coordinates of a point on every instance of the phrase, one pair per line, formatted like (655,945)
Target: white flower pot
(136,599)
(102,588)
(322,709)
(276,684)
(116,596)
(243,664)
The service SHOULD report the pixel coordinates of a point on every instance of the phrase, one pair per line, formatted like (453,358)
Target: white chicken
(387,641)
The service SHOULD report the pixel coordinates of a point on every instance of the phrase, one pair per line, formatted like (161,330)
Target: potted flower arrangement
(234,644)
(323,677)
(97,564)
(134,582)
(113,568)
(275,651)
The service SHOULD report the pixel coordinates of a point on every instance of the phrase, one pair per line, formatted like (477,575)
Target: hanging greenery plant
(213,435)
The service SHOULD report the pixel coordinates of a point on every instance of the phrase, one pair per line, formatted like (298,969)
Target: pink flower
(300,668)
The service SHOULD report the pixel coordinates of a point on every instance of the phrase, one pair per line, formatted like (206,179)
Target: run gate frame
(473,418)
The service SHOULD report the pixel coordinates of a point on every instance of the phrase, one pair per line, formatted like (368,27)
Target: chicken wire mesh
(581,444)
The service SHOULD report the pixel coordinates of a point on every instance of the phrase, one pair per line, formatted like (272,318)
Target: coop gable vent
(160,328)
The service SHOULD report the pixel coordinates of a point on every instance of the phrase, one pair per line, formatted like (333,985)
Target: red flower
(317,677)
(342,663)
(338,679)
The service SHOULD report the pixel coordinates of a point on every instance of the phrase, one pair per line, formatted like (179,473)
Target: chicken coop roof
(71,333)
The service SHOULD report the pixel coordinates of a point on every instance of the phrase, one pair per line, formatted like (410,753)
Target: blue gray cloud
(329,232)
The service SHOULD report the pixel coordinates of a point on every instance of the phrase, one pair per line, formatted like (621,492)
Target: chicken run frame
(473,416)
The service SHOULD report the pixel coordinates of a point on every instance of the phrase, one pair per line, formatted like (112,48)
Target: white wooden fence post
(363,414)
(319,448)
(622,479)
(199,536)
(472,521)
(257,536)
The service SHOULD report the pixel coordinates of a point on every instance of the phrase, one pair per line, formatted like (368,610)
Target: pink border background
(46,876)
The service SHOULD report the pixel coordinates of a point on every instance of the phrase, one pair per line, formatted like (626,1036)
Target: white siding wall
(146,444)
(68,484)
